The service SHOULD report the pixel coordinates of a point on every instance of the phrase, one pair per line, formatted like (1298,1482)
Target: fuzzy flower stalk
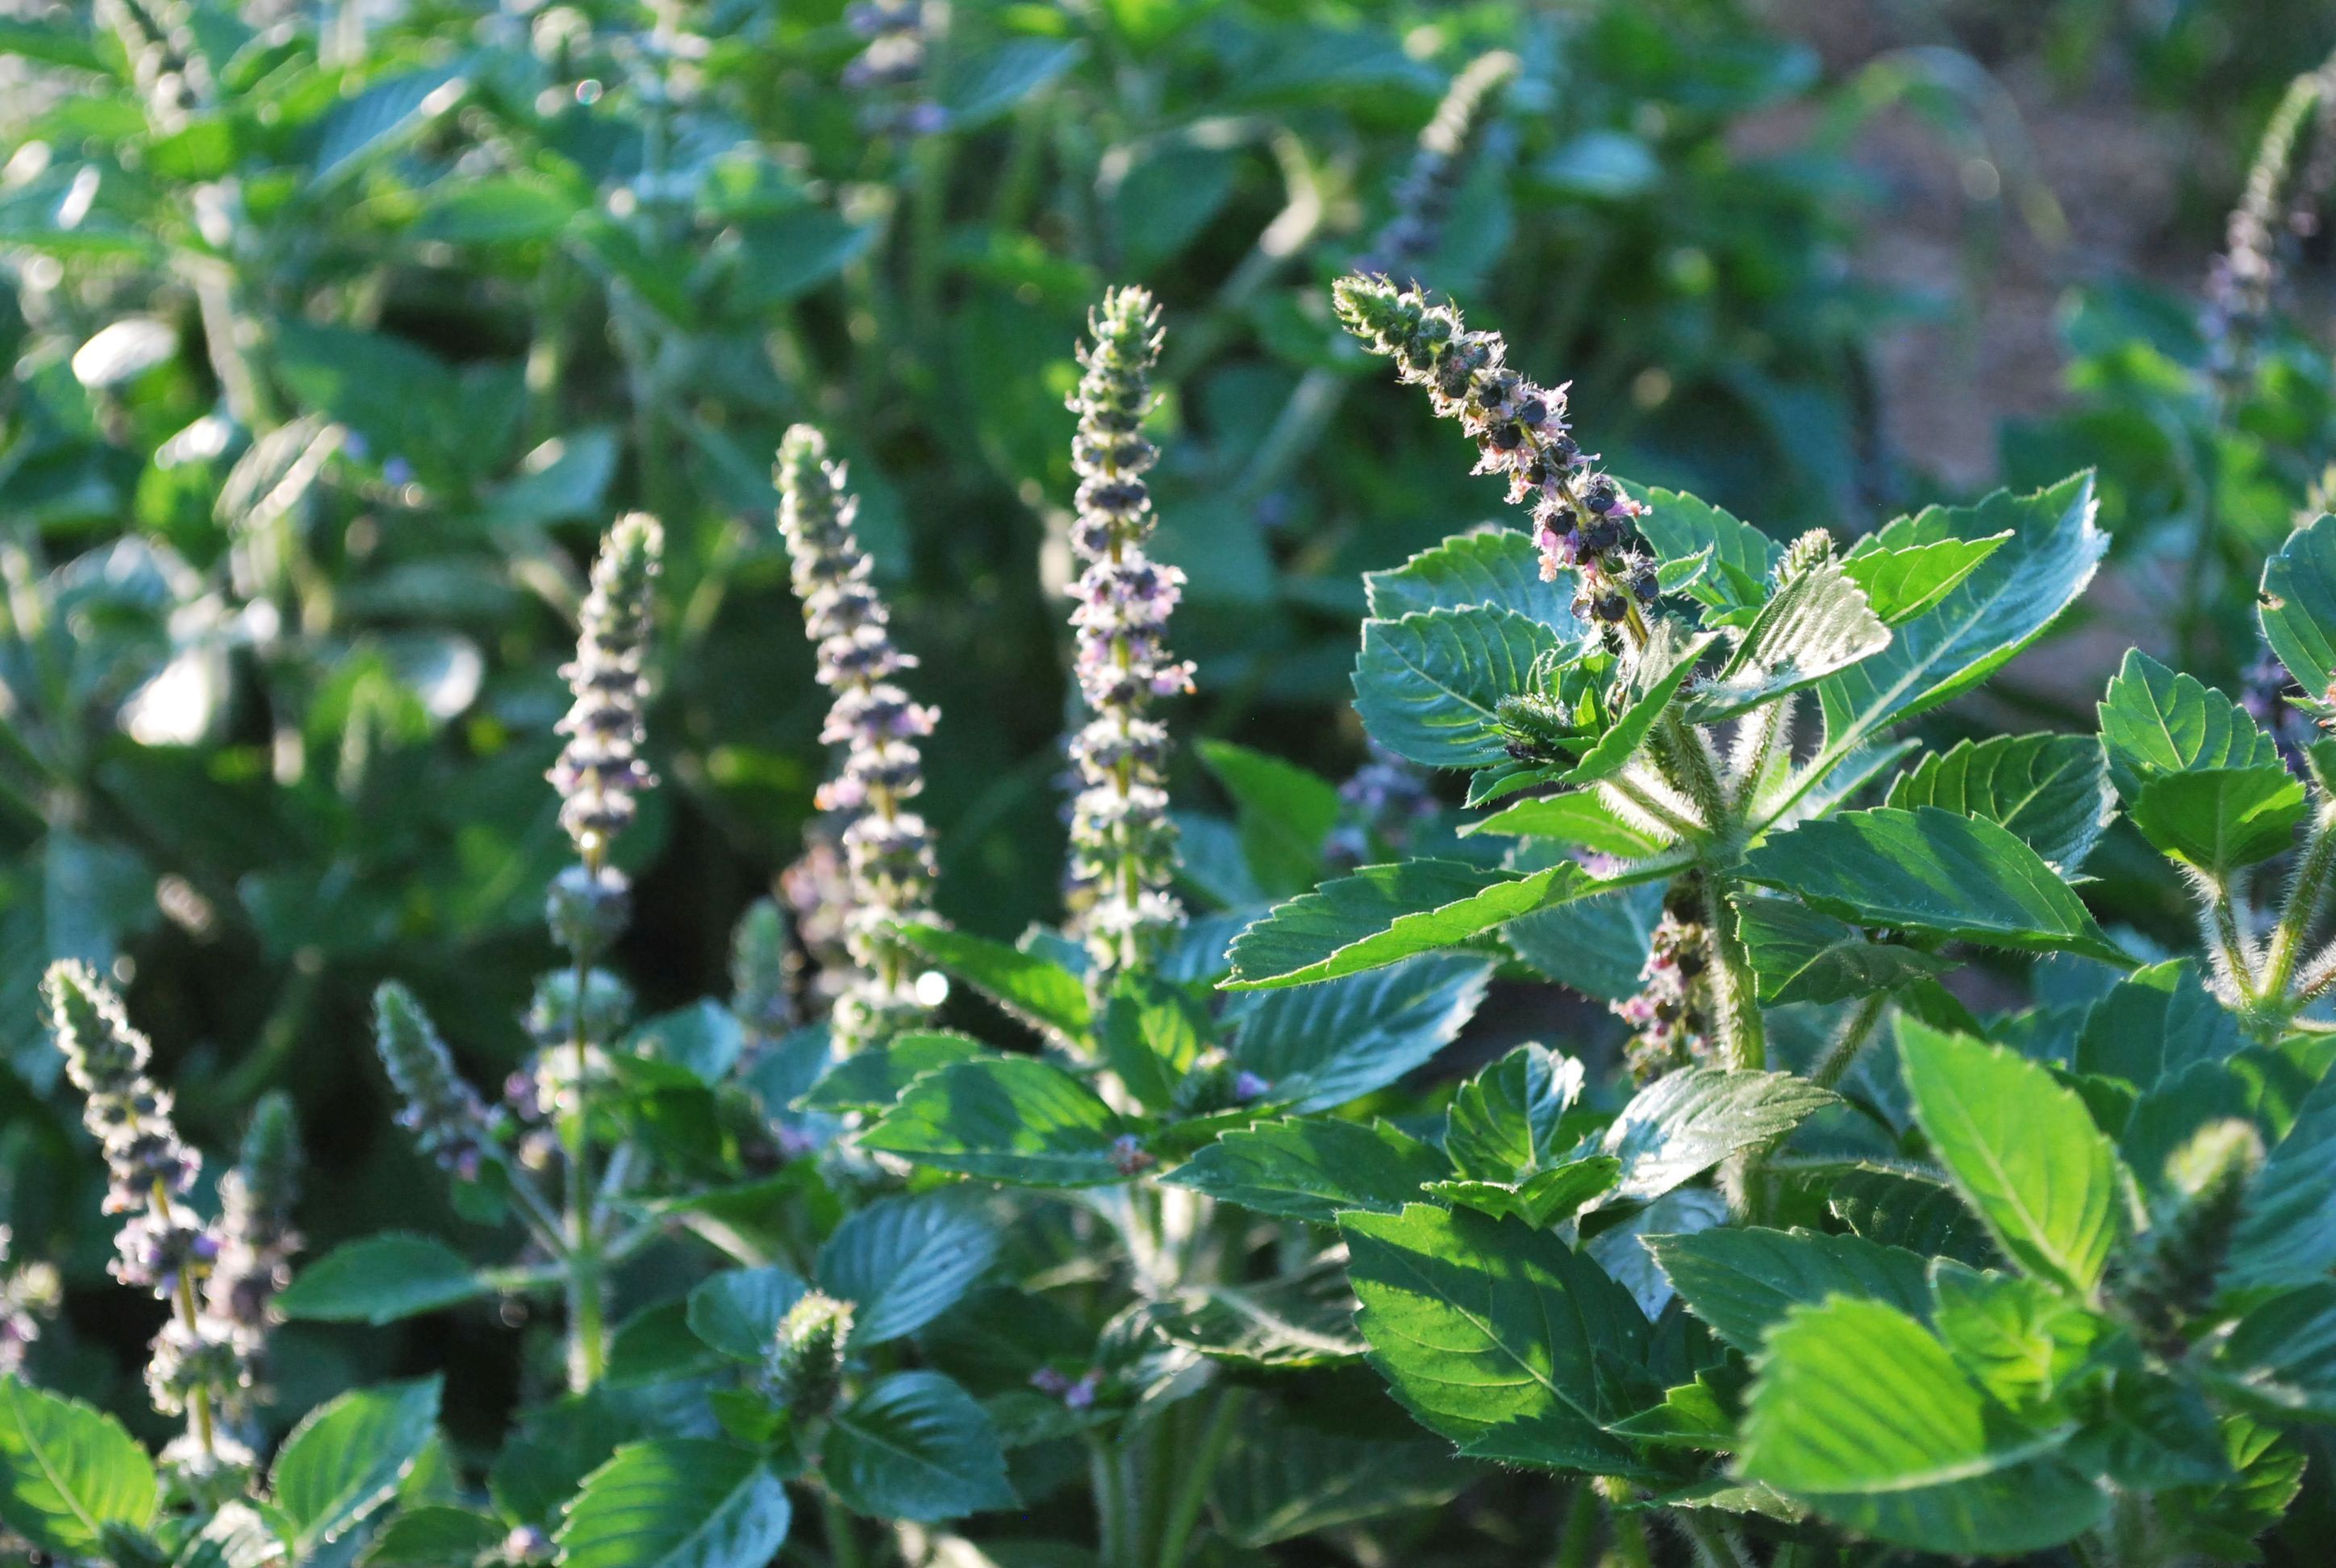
(199,1367)
(1447,149)
(1123,845)
(886,847)
(1670,1015)
(1583,523)
(2241,281)
(28,1293)
(257,1240)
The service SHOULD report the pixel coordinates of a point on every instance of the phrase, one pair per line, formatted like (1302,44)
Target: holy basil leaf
(1541,1199)
(1903,582)
(1033,989)
(2020,1338)
(1318,1046)
(1503,1123)
(902,1261)
(1493,567)
(2155,722)
(2287,1234)
(1580,817)
(1679,526)
(1284,813)
(1310,1168)
(346,1458)
(1933,872)
(1495,1335)
(1860,1413)
(2023,1150)
(1816,624)
(1666,668)
(2221,819)
(1384,913)
(1687,1121)
(68,1474)
(1301,1319)
(915,1445)
(2155,1023)
(1920,1216)
(873,1077)
(381,1279)
(2050,791)
(1742,1283)
(738,1311)
(676,1503)
(2298,606)
(1428,685)
(1802,955)
(1286,1478)
(1010,1119)
(1596,946)
(1153,1032)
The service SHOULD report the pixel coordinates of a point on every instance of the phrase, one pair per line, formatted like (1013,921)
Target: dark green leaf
(1742,557)
(1285,813)
(1503,1123)
(1031,987)
(902,1261)
(1665,667)
(2050,791)
(676,1503)
(1742,1283)
(1919,1216)
(437,1536)
(380,1280)
(1008,1119)
(1495,567)
(1802,955)
(1285,1479)
(915,1445)
(872,1079)
(2287,1235)
(1687,1121)
(2298,606)
(1311,1168)
(1384,913)
(1319,1046)
(2155,1023)
(738,1311)
(1427,684)
(1301,1319)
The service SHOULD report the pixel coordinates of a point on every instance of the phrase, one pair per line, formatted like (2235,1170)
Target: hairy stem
(1200,1469)
(587,1332)
(2306,890)
(1743,1033)
(1842,1050)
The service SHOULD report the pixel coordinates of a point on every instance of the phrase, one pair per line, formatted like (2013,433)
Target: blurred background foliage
(339,332)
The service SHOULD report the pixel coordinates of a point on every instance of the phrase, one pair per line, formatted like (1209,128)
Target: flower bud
(804,1369)
(587,908)
(600,772)
(444,1113)
(2172,1282)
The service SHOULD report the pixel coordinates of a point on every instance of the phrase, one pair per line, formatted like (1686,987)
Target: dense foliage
(785,950)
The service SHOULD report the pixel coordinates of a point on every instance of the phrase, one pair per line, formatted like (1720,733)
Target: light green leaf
(2051,791)
(1384,913)
(1284,815)
(1802,955)
(872,1079)
(1979,625)
(1152,1033)
(1580,817)
(381,1279)
(2023,1150)
(1901,583)
(1816,624)
(2020,1338)
(1010,1119)
(68,1473)
(1691,1416)
(1319,1046)
(1428,685)
(902,1260)
(676,1503)
(1495,567)
(1310,1168)
(2155,722)
(1742,1283)
(1860,1413)
(915,1445)
(1933,872)
(738,1311)
(1668,665)
(1033,989)
(1493,1334)
(346,1458)
(1503,1123)
(1688,1121)
(1540,1200)
(2221,819)
(2298,606)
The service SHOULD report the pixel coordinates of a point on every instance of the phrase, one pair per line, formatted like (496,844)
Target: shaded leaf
(915,1445)
(381,1279)
(1007,1119)
(1802,955)
(1742,1283)
(1428,685)
(1311,1168)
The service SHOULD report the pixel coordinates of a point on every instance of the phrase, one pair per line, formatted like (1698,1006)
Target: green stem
(1743,1033)
(587,1308)
(2305,891)
(1842,1050)
(1184,1511)
(842,1534)
(1715,1548)
(1577,1533)
(1115,1522)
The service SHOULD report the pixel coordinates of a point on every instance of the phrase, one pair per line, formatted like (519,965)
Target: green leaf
(1816,624)
(1742,1283)
(1493,1334)
(381,1279)
(1286,1478)
(872,1079)
(1666,666)
(1152,1033)
(2280,1356)
(1540,1200)
(1008,1119)
(437,1536)
(1596,946)
(1320,1046)
(915,1445)
(1979,625)
(1742,558)
(982,84)
(346,1458)
(387,115)
(658,1344)
(1503,1123)
(1427,685)
(676,1503)
(1033,989)
(2220,819)
(738,1311)
(1382,914)
(1901,583)
(2051,791)
(2154,1024)
(1802,955)
(2023,1150)
(2022,1338)
(1300,1319)
(1920,1216)
(1688,1121)
(1284,813)
(903,1261)
(1494,567)
(1579,817)
(2155,721)
(785,256)
(1860,1413)
(1311,1168)
(68,1474)
(1692,1415)
(2220,1523)
(2298,606)
(1929,871)
(2287,1233)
